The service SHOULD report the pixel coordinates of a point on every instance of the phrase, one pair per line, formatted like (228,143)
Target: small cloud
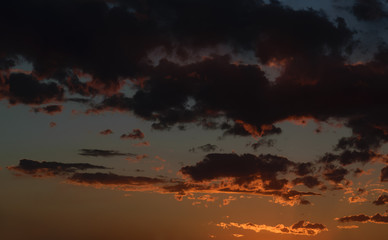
(237,235)
(348,227)
(106,132)
(135,134)
(50,109)
(142,144)
(53,124)
(205,148)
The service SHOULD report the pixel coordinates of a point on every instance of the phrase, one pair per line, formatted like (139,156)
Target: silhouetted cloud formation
(112,179)
(102,153)
(377,218)
(41,169)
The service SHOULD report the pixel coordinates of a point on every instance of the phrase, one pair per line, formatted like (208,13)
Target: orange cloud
(348,227)
(300,228)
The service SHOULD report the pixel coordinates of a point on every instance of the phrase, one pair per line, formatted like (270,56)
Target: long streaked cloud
(102,153)
(44,169)
(377,218)
(300,228)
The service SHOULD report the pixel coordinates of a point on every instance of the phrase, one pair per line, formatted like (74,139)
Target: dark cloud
(205,148)
(244,168)
(106,132)
(50,109)
(27,89)
(335,174)
(43,168)
(384,174)
(383,199)
(377,218)
(348,157)
(369,10)
(309,181)
(102,153)
(112,179)
(302,169)
(263,143)
(135,134)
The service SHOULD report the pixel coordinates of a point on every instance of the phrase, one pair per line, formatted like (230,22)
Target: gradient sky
(193,119)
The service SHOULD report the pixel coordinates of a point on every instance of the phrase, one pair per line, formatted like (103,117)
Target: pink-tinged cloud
(106,132)
(52,124)
(159,168)
(377,218)
(135,134)
(137,158)
(142,144)
(300,228)
(50,109)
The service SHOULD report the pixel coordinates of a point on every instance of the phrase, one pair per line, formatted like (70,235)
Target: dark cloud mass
(43,168)
(102,153)
(369,10)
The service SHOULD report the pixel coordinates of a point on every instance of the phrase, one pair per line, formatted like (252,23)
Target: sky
(193,119)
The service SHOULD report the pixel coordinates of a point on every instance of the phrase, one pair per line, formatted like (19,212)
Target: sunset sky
(193,119)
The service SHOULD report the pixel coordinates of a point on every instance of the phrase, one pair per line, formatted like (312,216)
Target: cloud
(369,10)
(243,168)
(348,227)
(308,181)
(300,228)
(27,89)
(205,148)
(263,143)
(384,174)
(106,132)
(50,109)
(102,153)
(335,174)
(382,200)
(52,124)
(377,218)
(142,144)
(112,179)
(136,134)
(44,169)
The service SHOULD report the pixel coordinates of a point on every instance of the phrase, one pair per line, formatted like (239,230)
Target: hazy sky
(193,119)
